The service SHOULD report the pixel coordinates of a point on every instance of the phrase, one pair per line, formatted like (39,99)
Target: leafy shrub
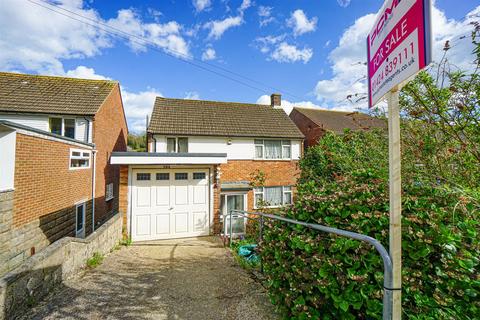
(313,275)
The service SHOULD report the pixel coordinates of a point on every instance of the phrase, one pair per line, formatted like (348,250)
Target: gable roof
(214,118)
(53,95)
(338,121)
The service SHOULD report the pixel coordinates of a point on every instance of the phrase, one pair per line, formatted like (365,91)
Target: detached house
(204,159)
(315,123)
(56,136)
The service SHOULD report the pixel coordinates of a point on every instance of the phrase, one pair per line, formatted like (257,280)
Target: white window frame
(224,209)
(109,192)
(63,125)
(285,189)
(177,146)
(81,157)
(80,233)
(283,144)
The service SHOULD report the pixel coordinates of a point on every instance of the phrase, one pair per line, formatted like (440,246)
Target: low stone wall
(41,273)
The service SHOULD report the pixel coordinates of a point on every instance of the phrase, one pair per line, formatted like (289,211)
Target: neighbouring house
(56,136)
(204,159)
(315,123)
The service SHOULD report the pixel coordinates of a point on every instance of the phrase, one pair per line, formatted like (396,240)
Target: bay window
(272,196)
(273,149)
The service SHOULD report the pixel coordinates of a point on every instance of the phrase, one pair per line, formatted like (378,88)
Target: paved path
(180,279)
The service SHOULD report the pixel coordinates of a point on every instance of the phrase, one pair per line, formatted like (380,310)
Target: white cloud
(348,58)
(344,3)
(83,72)
(288,106)
(166,36)
(265,44)
(209,54)
(245,5)
(265,15)
(36,39)
(300,24)
(218,27)
(137,106)
(201,5)
(192,95)
(285,52)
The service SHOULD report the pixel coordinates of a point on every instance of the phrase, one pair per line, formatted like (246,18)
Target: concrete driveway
(174,279)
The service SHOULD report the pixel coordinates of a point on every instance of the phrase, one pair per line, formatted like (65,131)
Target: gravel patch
(171,279)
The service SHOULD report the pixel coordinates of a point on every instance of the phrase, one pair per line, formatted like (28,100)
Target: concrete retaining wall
(41,273)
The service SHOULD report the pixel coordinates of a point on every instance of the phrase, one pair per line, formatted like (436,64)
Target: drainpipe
(154,143)
(94,160)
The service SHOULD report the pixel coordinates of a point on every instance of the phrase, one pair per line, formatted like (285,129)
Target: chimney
(276,100)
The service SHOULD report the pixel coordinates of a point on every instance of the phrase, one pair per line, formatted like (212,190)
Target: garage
(169,203)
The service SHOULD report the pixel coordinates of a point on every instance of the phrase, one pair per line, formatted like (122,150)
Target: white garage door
(169,204)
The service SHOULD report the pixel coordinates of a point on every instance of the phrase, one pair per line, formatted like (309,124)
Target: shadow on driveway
(172,279)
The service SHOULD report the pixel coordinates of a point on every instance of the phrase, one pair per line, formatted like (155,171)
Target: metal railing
(387,261)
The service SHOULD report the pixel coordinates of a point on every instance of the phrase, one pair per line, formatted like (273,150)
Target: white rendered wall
(235,148)
(40,122)
(7,159)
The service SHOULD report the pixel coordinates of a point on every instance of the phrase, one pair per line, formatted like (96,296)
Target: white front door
(169,203)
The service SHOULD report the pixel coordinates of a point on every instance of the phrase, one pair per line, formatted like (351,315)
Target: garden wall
(40,274)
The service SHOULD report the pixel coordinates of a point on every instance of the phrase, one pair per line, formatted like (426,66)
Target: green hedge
(318,276)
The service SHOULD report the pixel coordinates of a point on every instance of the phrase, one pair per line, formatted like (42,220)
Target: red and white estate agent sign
(399,45)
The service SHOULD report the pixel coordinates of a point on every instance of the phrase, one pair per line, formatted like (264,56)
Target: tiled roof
(338,121)
(54,95)
(213,118)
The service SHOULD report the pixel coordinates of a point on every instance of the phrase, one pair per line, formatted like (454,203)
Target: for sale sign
(399,45)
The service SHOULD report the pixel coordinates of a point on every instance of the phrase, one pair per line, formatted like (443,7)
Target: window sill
(259,159)
(109,199)
(273,207)
(79,168)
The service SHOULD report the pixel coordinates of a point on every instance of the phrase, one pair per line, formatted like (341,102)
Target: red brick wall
(277,173)
(109,134)
(45,187)
(123,195)
(312,131)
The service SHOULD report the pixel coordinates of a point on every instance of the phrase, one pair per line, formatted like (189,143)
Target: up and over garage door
(170,203)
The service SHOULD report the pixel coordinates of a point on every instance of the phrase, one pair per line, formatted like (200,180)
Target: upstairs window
(63,127)
(69,128)
(179,145)
(273,149)
(56,125)
(79,159)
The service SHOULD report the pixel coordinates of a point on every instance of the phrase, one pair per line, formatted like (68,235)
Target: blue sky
(306,48)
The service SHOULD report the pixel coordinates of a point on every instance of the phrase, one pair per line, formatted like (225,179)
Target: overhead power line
(169,52)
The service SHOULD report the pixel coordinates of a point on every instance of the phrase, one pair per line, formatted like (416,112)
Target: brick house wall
(312,131)
(277,173)
(109,134)
(42,207)
(123,196)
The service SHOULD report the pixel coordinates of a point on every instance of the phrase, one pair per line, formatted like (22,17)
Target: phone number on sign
(393,67)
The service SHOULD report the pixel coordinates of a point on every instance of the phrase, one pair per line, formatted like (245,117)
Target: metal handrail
(388,287)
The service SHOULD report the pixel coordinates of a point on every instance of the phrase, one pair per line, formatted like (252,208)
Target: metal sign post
(398,47)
